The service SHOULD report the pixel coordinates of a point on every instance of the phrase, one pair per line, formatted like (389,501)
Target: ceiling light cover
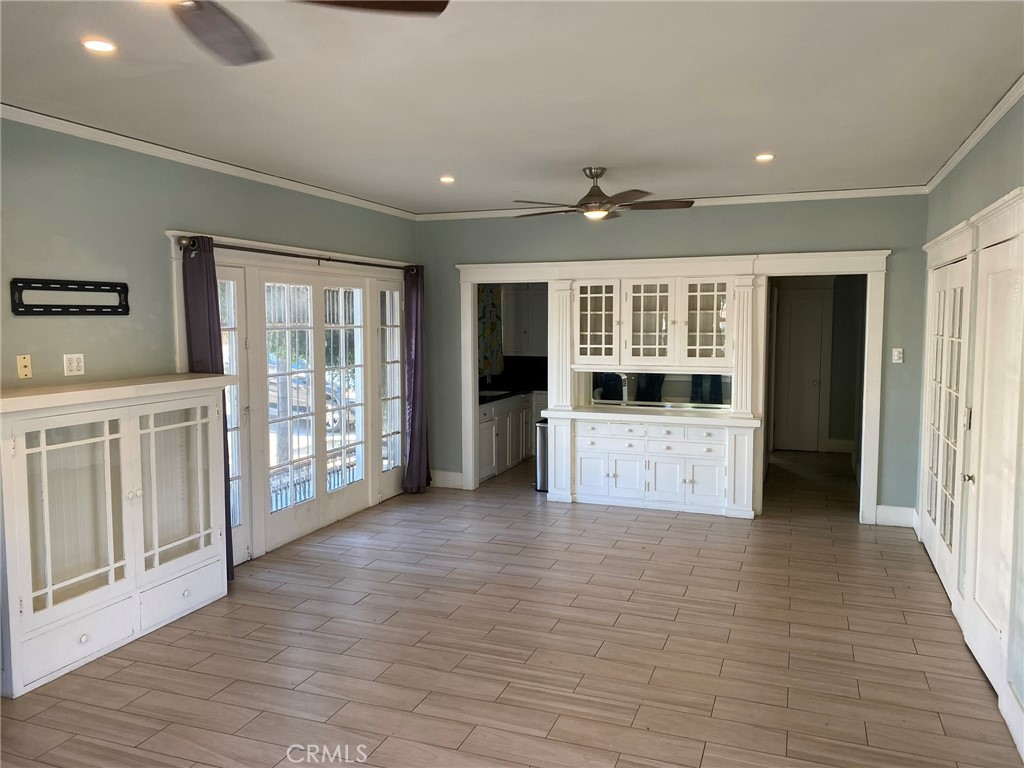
(595,215)
(447,179)
(97,45)
(764,157)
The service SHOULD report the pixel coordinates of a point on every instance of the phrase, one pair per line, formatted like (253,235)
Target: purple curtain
(417,464)
(205,354)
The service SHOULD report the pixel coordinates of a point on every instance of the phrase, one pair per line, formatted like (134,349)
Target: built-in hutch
(113,512)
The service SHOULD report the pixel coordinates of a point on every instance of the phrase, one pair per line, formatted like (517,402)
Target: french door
(986,608)
(948,332)
(316,421)
(234,340)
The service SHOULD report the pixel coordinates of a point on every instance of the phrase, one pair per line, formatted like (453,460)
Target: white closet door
(948,334)
(986,610)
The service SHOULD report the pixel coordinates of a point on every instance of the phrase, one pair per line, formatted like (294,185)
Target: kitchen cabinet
(113,503)
(678,462)
(502,435)
(486,443)
(524,320)
(663,324)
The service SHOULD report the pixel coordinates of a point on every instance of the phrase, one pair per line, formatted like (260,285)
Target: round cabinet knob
(185,593)
(138,494)
(707,450)
(707,434)
(590,442)
(628,429)
(666,431)
(83,639)
(591,429)
(668,447)
(131,494)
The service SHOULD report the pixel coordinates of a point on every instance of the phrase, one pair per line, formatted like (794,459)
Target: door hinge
(968,418)
(246,342)
(647,487)
(21,605)
(14,446)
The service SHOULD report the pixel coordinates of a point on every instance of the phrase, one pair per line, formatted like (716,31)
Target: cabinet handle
(131,494)
(185,593)
(590,442)
(707,434)
(668,447)
(629,445)
(591,428)
(666,431)
(138,494)
(708,450)
(83,639)
(628,429)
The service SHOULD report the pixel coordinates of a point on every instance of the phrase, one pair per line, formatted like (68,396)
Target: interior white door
(948,338)
(800,336)
(234,342)
(986,604)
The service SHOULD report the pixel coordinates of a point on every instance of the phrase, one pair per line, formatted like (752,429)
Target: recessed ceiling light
(97,45)
(764,157)
(447,179)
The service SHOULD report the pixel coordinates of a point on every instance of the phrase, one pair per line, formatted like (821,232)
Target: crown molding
(1005,104)
(39,120)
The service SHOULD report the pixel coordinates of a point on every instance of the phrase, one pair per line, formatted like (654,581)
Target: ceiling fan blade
(628,196)
(538,202)
(220,32)
(544,213)
(659,205)
(611,215)
(422,7)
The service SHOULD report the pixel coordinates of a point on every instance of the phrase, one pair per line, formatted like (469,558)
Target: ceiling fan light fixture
(764,157)
(596,215)
(447,179)
(98,45)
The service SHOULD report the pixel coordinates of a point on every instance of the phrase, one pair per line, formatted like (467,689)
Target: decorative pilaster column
(743,345)
(560,340)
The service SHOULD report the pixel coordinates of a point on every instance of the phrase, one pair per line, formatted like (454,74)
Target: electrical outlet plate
(897,354)
(24,366)
(74,364)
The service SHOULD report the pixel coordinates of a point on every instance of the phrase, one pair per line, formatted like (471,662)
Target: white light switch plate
(74,364)
(897,354)
(24,366)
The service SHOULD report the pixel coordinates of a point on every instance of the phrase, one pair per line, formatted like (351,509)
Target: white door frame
(560,381)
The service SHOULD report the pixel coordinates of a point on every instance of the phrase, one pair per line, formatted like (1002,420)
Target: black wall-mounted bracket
(20,307)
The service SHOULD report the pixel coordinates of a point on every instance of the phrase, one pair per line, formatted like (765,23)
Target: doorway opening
(815,393)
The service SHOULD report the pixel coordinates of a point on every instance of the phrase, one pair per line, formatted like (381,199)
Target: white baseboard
(444,479)
(901,516)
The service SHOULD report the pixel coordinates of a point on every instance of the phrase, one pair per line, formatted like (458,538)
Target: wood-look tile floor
(464,630)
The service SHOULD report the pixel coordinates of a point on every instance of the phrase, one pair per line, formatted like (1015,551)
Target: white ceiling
(513,98)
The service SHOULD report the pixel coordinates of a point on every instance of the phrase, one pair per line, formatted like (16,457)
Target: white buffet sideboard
(113,516)
(675,459)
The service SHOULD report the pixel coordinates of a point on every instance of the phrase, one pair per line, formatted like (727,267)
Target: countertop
(695,416)
(485,399)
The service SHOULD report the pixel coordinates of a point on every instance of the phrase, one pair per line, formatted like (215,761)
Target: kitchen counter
(503,394)
(694,416)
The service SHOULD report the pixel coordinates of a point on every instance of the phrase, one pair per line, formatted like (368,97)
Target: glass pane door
(596,323)
(344,370)
(392,410)
(707,323)
(231,286)
(76,536)
(649,307)
(290,387)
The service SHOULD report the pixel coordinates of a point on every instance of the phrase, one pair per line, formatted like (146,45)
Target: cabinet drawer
(181,594)
(486,412)
(660,431)
(590,427)
(685,448)
(616,444)
(79,638)
(627,430)
(706,434)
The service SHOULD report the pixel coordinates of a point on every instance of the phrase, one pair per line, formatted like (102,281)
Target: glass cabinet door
(649,313)
(597,333)
(73,482)
(175,495)
(708,333)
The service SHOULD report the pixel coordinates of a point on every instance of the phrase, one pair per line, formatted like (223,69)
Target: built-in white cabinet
(524,320)
(628,457)
(659,323)
(502,435)
(113,502)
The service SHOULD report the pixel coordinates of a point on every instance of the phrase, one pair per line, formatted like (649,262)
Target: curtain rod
(185,241)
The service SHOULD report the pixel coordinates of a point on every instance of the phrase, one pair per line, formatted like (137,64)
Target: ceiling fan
(224,35)
(596,205)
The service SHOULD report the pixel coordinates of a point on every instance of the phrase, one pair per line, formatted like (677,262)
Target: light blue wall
(895,223)
(74,208)
(992,168)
